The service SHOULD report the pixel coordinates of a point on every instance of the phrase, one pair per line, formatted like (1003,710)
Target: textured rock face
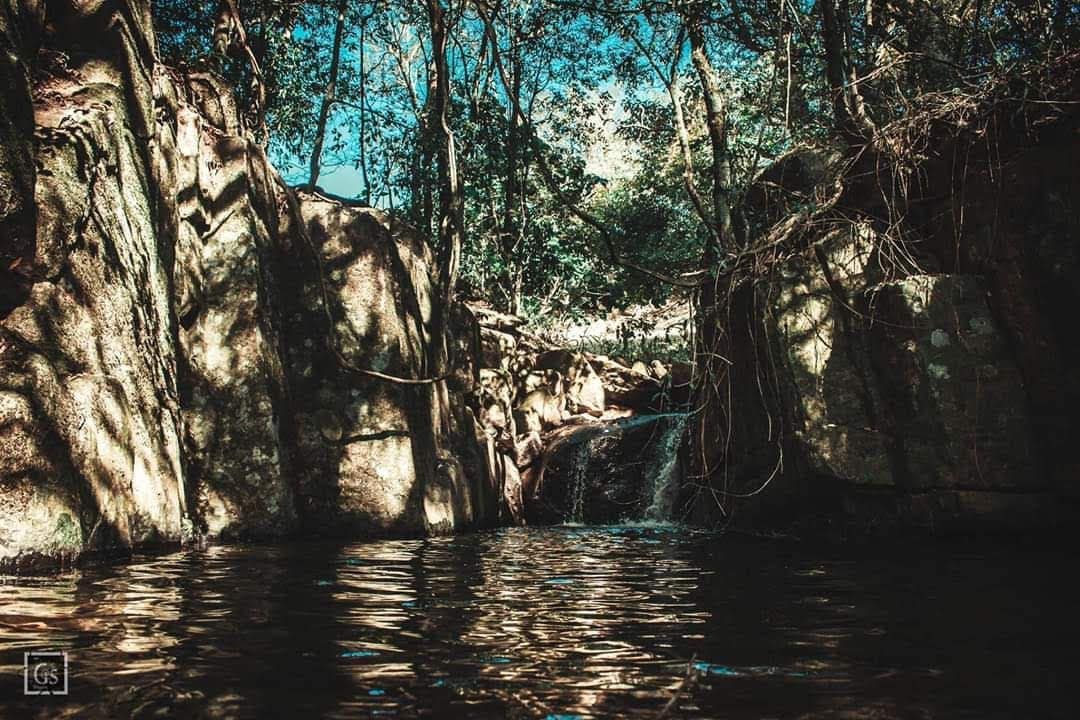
(832,393)
(582,384)
(628,387)
(921,380)
(887,405)
(89,417)
(958,408)
(234,393)
(923,396)
(373,455)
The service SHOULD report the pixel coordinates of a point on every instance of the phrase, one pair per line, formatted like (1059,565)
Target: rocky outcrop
(374,454)
(187,347)
(581,384)
(913,416)
(225,231)
(923,394)
(637,389)
(90,425)
(867,386)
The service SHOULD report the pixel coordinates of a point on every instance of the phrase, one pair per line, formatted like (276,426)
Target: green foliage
(591,78)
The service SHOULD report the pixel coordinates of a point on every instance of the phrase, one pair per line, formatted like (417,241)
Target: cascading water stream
(578,479)
(631,467)
(663,472)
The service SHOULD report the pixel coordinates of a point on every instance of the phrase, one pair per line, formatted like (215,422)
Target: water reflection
(570,621)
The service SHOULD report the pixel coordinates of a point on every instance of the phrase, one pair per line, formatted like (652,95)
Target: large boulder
(495,398)
(628,387)
(880,403)
(920,394)
(582,385)
(497,348)
(375,455)
(233,387)
(954,392)
(843,425)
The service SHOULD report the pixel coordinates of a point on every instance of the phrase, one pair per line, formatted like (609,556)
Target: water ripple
(559,622)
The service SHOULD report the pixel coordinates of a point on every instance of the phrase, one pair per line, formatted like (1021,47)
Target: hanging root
(887,172)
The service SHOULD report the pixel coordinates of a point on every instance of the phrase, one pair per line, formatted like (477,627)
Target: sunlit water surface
(558,622)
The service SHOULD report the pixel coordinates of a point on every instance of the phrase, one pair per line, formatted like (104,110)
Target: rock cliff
(187,346)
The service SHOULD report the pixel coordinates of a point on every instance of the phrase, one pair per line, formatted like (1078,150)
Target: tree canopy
(567,155)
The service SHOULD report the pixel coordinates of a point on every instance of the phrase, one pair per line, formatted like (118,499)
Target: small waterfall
(578,480)
(663,472)
(622,472)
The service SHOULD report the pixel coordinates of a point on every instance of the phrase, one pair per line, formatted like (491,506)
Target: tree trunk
(848,107)
(834,61)
(717,123)
(511,191)
(366,196)
(855,100)
(451,200)
(328,96)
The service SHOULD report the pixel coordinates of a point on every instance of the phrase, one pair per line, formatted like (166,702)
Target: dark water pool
(561,622)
